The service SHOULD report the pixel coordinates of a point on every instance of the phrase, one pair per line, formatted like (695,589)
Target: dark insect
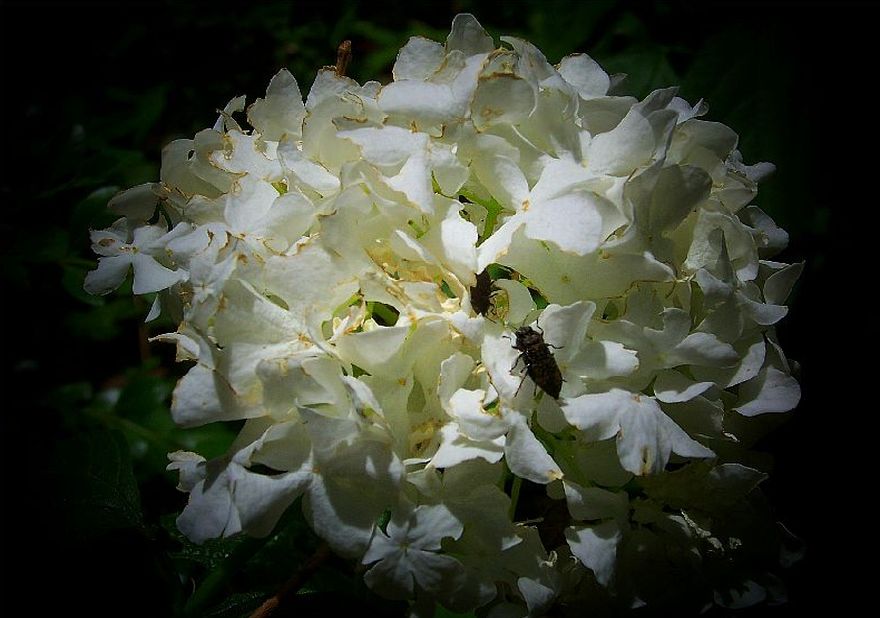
(540,365)
(481,293)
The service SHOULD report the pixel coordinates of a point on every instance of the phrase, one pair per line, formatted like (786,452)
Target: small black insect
(540,365)
(481,293)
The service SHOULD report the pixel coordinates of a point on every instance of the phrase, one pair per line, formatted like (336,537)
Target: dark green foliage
(94,484)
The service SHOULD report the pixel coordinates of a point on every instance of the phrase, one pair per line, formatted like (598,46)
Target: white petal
(454,240)
(566,327)
(752,351)
(282,111)
(526,456)
(597,414)
(771,238)
(565,278)
(763,314)
(437,572)
(375,350)
(311,280)
(585,75)
(779,285)
(631,144)
(664,197)
(250,317)
(498,170)
(600,463)
(571,222)
(449,172)
(136,204)
(249,200)
(112,241)
(428,105)
(468,36)
(387,146)
(109,274)
(432,524)
(702,349)
(600,360)
(381,547)
(414,181)
(210,514)
(454,372)
(498,359)
(391,577)
(674,387)
(602,114)
(418,59)
(311,174)
(647,438)
(155,310)
(771,391)
(247,155)
(289,218)
(203,396)
(456,448)
(642,445)
(538,597)
(338,513)
(560,177)
(519,302)
(190,466)
(467,408)
(261,500)
(596,548)
(503,99)
(150,276)
(594,502)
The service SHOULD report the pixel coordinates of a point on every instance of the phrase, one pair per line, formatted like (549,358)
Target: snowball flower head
(349,272)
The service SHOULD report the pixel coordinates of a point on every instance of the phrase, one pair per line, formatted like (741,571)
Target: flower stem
(492,210)
(216,582)
(292,585)
(343,57)
(514,495)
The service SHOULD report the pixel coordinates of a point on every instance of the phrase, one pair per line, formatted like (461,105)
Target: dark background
(91,92)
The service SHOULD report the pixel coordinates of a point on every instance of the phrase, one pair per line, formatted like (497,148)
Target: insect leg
(516,362)
(518,388)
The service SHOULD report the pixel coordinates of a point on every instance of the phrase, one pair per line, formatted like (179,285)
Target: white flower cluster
(323,267)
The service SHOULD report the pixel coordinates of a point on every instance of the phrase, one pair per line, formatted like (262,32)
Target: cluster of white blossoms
(322,266)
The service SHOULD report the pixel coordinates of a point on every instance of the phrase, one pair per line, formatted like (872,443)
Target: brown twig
(292,585)
(343,57)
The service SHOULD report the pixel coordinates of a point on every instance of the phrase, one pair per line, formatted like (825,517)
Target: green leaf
(52,246)
(646,69)
(142,110)
(285,551)
(442,612)
(237,605)
(72,277)
(142,414)
(69,398)
(143,395)
(95,484)
(102,322)
(92,212)
(209,441)
(581,19)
